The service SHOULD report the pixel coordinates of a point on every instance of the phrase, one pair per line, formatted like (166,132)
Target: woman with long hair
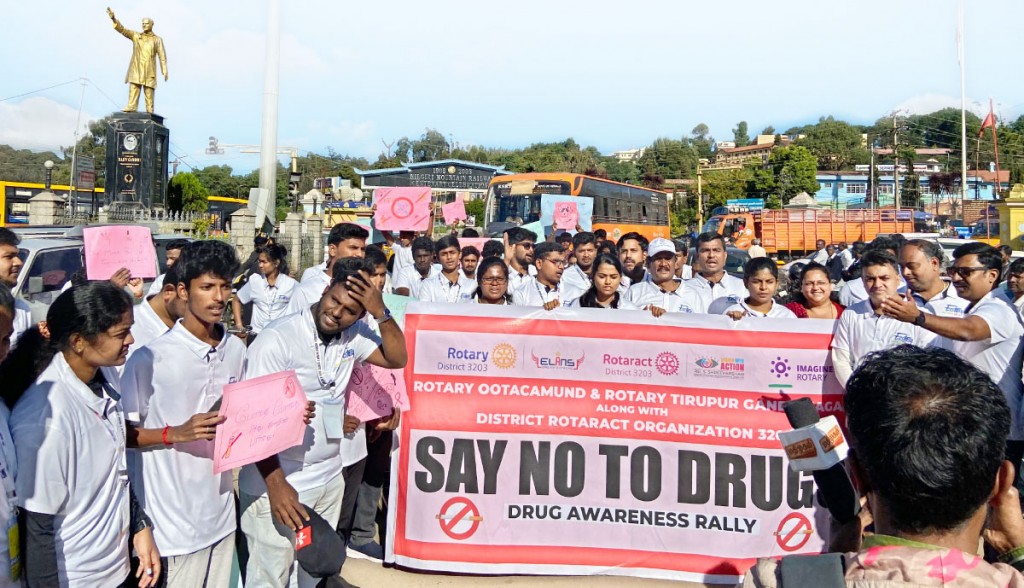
(492,283)
(69,437)
(814,299)
(604,288)
(269,291)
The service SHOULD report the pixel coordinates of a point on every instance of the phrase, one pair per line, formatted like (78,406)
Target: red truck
(792,233)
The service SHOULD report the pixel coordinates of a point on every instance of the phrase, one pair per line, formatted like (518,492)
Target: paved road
(365,574)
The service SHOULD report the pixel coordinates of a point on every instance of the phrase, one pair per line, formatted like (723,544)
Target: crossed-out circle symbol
(402,207)
(459,518)
(794,532)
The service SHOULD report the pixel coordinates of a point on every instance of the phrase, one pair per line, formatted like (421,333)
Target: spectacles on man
(963,272)
(556,262)
(525,244)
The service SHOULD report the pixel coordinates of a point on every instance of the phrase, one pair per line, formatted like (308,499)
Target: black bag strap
(827,570)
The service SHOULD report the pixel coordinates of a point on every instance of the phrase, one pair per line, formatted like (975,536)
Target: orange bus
(618,208)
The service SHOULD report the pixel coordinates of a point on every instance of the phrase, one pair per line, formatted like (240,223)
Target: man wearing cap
(664,292)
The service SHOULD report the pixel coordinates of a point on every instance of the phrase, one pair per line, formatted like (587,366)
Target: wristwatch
(919,319)
(385,317)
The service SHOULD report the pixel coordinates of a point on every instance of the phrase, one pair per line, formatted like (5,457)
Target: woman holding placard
(269,292)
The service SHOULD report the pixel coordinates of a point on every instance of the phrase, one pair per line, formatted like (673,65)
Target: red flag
(990,121)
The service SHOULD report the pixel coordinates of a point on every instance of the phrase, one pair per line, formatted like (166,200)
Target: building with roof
(844,189)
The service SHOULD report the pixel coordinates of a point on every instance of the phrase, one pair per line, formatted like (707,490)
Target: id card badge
(334,418)
(14,548)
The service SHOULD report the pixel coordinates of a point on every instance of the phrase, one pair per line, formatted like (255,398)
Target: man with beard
(546,289)
(664,292)
(717,289)
(519,257)
(921,264)
(577,275)
(633,255)
(10,268)
(989,333)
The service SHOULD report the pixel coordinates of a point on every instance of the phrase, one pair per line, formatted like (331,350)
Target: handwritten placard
(584,212)
(477,242)
(536,228)
(402,209)
(397,304)
(112,247)
(375,392)
(263,417)
(454,212)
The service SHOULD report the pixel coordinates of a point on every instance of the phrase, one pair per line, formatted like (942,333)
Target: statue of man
(146,47)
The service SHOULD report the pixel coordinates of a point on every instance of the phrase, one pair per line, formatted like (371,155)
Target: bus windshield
(508,210)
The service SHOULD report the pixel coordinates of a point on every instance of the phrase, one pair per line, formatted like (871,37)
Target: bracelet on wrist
(164,435)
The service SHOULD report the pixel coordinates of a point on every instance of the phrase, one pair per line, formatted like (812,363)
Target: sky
(614,75)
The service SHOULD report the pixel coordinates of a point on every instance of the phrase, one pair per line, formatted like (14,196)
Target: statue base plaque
(137,159)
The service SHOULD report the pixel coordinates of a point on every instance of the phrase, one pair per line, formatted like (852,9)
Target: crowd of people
(112,407)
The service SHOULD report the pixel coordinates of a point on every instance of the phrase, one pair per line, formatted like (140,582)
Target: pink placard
(566,215)
(374,392)
(263,417)
(454,211)
(402,209)
(475,242)
(112,247)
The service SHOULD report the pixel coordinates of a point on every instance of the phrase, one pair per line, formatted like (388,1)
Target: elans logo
(558,362)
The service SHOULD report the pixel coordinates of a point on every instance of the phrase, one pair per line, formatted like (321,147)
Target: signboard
(86,178)
(112,247)
(637,446)
(442,175)
(752,204)
(401,209)
(549,210)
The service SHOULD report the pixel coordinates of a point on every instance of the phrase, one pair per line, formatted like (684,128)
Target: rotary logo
(504,356)
(667,363)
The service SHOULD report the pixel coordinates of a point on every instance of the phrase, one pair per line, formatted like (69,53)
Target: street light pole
(49,173)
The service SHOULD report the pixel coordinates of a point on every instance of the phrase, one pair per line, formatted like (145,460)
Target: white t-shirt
(402,256)
(533,293)
(71,464)
(946,303)
(175,377)
(439,289)
(516,279)
(623,303)
(1003,293)
(854,291)
(860,331)
(156,286)
(776,311)
(821,256)
(268,302)
(999,356)
(847,256)
(729,287)
(147,327)
(317,272)
(22,319)
(293,343)
(577,278)
(683,299)
(8,473)
(411,279)
(306,293)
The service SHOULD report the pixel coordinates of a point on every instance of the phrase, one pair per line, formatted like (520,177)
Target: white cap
(660,245)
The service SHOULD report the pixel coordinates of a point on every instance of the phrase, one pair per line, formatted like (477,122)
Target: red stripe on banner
(571,556)
(592,330)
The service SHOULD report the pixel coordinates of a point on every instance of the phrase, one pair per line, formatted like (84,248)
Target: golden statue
(146,47)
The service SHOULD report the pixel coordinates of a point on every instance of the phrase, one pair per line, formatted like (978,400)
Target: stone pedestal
(293,240)
(137,158)
(1011,218)
(44,208)
(243,229)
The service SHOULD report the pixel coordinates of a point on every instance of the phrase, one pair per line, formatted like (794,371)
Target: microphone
(810,432)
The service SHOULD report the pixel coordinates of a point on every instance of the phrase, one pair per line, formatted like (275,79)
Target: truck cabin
(735,223)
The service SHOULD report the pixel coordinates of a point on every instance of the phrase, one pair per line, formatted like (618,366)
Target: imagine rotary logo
(780,367)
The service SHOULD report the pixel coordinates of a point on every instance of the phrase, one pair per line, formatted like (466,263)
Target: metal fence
(311,252)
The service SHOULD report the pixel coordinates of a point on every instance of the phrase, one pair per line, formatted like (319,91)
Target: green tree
(621,171)
(790,171)
(768,130)
(669,158)
(740,135)
(702,141)
(220,180)
(475,209)
(723,184)
(92,144)
(186,193)
(430,146)
(836,144)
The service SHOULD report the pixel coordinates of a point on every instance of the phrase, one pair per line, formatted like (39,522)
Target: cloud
(928,103)
(40,124)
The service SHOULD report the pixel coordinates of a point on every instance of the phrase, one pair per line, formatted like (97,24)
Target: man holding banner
(321,344)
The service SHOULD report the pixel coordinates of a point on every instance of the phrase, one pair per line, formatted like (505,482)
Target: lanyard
(448,287)
(324,383)
(543,294)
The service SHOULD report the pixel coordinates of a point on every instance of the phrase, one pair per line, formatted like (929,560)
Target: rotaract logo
(667,363)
